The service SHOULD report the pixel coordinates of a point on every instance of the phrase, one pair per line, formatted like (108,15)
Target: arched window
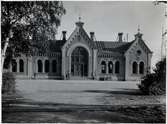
(117,67)
(54,66)
(110,67)
(141,68)
(47,66)
(103,67)
(14,65)
(40,66)
(21,64)
(134,68)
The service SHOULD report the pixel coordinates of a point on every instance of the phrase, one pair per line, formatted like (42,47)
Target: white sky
(108,18)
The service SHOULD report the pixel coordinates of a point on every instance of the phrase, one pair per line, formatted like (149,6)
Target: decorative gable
(78,35)
(144,46)
(138,42)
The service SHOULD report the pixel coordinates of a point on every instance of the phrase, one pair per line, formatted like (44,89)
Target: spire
(138,35)
(79,18)
(79,23)
(138,29)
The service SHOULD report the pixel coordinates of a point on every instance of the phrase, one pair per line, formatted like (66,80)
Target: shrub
(146,82)
(8,83)
(155,83)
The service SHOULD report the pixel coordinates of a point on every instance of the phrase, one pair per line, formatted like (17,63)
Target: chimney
(92,35)
(120,37)
(64,35)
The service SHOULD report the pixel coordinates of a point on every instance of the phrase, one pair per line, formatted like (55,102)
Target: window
(21,64)
(103,67)
(14,65)
(40,66)
(54,66)
(47,66)
(138,52)
(134,68)
(117,67)
(110,67)
(141,68)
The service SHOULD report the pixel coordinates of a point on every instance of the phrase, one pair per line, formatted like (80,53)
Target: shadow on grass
(119,92)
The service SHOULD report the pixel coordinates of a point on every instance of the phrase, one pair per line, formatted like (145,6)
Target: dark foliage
(8,83)
(155,83)
(25,23)
(146,82)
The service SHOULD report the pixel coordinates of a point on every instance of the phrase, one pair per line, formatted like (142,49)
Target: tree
(155,83)
(22,21)
(158,2)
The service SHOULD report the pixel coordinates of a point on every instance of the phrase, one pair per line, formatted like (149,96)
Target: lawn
(84,92)
(82,101)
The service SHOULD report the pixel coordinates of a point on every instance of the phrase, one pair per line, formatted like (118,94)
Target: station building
(80,56)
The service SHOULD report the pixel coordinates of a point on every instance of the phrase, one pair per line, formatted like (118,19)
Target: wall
(114,57)
(19,74)
(132,56)
(31,66)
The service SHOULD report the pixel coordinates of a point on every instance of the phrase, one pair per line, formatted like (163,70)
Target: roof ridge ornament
(138,29)
(79,23)
(79,18)
(138,35)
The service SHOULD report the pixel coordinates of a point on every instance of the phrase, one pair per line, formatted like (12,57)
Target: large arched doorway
(79,62)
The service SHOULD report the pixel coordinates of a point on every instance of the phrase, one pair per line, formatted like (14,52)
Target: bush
(8,83)
(155,83)
(146,82)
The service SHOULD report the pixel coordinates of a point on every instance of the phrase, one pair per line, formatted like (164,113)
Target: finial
(79,23)
(138,35)
(79,18)
(138,29)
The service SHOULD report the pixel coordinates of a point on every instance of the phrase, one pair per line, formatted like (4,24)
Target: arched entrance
(79,62)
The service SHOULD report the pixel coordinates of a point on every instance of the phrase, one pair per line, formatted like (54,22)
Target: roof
(120,47)
(142,42)
(56,45)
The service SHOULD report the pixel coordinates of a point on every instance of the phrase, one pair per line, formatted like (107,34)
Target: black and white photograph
(83,61)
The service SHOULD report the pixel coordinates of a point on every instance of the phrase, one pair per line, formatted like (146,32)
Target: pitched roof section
(120,47)
(56,45)
(142,42)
